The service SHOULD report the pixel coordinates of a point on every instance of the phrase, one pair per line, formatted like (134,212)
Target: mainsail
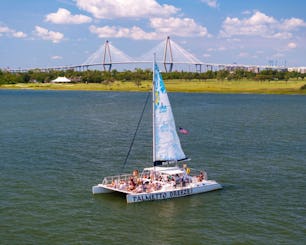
(166,143)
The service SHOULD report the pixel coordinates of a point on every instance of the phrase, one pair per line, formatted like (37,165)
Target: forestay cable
(132,142)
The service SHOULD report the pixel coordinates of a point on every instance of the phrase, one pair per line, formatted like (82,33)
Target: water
(56,144)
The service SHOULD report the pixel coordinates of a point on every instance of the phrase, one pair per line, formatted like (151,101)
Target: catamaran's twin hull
(100,189)
(132,197)
(177,192)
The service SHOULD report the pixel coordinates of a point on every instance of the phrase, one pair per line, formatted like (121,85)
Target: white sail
(166,143)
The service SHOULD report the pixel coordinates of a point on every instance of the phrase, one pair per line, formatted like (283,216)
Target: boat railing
(116,179)
(196,173)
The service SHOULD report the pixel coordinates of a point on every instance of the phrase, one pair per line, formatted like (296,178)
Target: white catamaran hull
(99,189)
(173,193)
(131,197)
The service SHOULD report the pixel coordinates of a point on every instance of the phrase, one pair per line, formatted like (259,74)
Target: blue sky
(38,33)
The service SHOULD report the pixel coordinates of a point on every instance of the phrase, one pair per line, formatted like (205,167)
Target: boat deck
(157,183)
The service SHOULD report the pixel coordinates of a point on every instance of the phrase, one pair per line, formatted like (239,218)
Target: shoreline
(181,86)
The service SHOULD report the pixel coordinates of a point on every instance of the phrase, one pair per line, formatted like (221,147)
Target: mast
(153,111)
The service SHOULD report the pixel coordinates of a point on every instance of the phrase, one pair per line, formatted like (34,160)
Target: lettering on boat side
(180,193)
(162,195)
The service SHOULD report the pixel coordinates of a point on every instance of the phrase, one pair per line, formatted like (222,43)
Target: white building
(297,69)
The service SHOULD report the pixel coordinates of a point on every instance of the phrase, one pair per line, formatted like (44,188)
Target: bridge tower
(168,58)
(107,58)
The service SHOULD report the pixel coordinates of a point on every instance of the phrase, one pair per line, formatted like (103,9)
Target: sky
(50,33)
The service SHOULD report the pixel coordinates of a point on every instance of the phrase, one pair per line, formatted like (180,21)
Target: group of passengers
(153,181)
(137,185)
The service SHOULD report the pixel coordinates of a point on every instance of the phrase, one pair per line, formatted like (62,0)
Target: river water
(54,145)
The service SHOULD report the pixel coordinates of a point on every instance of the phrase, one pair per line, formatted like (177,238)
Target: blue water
(54,145)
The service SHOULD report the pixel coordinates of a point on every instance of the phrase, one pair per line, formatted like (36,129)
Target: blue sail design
(166,143)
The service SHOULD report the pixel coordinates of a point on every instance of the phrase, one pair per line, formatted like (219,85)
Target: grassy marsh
(195,86)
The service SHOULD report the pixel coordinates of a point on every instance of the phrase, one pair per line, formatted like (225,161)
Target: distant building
(61,80)
(233,68)
(298,69)
(254,69)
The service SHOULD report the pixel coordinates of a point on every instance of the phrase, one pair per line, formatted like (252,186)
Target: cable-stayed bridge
(168,53)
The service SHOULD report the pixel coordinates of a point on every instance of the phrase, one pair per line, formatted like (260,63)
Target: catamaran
(165,178)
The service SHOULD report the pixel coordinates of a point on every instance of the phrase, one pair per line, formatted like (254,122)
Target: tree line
(138,75)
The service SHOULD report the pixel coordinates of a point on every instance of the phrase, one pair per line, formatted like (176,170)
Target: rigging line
(132,142)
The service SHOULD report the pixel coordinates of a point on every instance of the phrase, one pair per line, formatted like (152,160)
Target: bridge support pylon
(168,58)
(107,58)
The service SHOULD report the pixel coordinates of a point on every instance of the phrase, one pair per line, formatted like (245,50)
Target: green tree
(222,74)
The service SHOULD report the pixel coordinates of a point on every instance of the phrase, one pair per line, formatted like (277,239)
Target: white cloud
(185,27)
(162,27)
(19,34)
(246,12)
(56,57)
(111,9)
(119,32)
(211,3)
(4,30)
(45,34)
(260,24)
(292,45)
(292,24)
(63,16)
(259,18)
